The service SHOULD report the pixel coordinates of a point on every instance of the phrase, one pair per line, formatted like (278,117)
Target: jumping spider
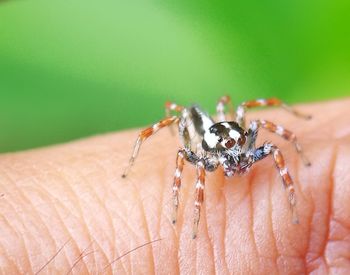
(208,144)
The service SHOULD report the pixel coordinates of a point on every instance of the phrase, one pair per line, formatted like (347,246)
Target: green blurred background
(70,69)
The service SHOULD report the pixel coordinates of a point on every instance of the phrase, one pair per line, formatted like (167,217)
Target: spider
(228,143)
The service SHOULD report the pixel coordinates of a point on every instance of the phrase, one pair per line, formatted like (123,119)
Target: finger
(75,192)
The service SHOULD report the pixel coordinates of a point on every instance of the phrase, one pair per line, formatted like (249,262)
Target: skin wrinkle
(185,240)
(315,260)
(309,234)
(100,203)
(52,258)
(164,218)
(215,242)
(210,241)
(121,262)
(135,234)
(58,203)
(81,256)
(9,256)
(251,204)
(161,214)
(225,236)
(122,219)
(143,212)
(81,259)
(277,254)
(186,198)
(130,251)
(22,236)
(56,211)
(211,245)
(341,224)
(79,208)
(106,259)
(223,199)
(12,263)
(300,197)
(330,206)
(148,233)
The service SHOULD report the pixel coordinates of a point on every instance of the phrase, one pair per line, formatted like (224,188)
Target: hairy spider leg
(268,149)
(240,118)
(169,107)
(177,181)
(220,108)
(144,135)
(284,133)
(199,196)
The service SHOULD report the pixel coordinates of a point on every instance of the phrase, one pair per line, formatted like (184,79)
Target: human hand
(66,209)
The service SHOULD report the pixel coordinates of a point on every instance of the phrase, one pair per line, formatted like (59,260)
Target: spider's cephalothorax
(227,143)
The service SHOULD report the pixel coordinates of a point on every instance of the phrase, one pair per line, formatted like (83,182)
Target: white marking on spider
(211,139)
(284,171)
(177,173)
(279,130)
(199,185)
(234,134)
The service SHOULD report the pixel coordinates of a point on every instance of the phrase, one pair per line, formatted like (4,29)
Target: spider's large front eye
(229,143)
(241,140)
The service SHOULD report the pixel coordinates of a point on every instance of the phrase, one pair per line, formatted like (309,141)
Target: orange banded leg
(286,134)
(220,108)
(169,107)
(177,181)
(287,181)
(265,103)
(144,135)
(199,196)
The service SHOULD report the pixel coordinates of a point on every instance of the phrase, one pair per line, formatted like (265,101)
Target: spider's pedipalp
(286,134)
(144,135)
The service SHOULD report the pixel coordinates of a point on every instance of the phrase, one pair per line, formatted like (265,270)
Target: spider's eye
(241,140)
(229,143)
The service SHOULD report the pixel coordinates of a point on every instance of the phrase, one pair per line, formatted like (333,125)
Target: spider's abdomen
(193,125)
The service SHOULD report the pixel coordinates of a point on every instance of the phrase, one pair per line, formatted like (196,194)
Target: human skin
(66,209)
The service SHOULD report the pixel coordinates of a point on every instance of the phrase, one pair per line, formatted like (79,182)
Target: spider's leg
(220,108)
(284,133)
(169,107)
(264,151)
(144,135)
(199,196)
(264,103)
(177,181)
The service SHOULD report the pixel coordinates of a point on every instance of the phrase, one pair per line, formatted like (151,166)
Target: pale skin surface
(66,209)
